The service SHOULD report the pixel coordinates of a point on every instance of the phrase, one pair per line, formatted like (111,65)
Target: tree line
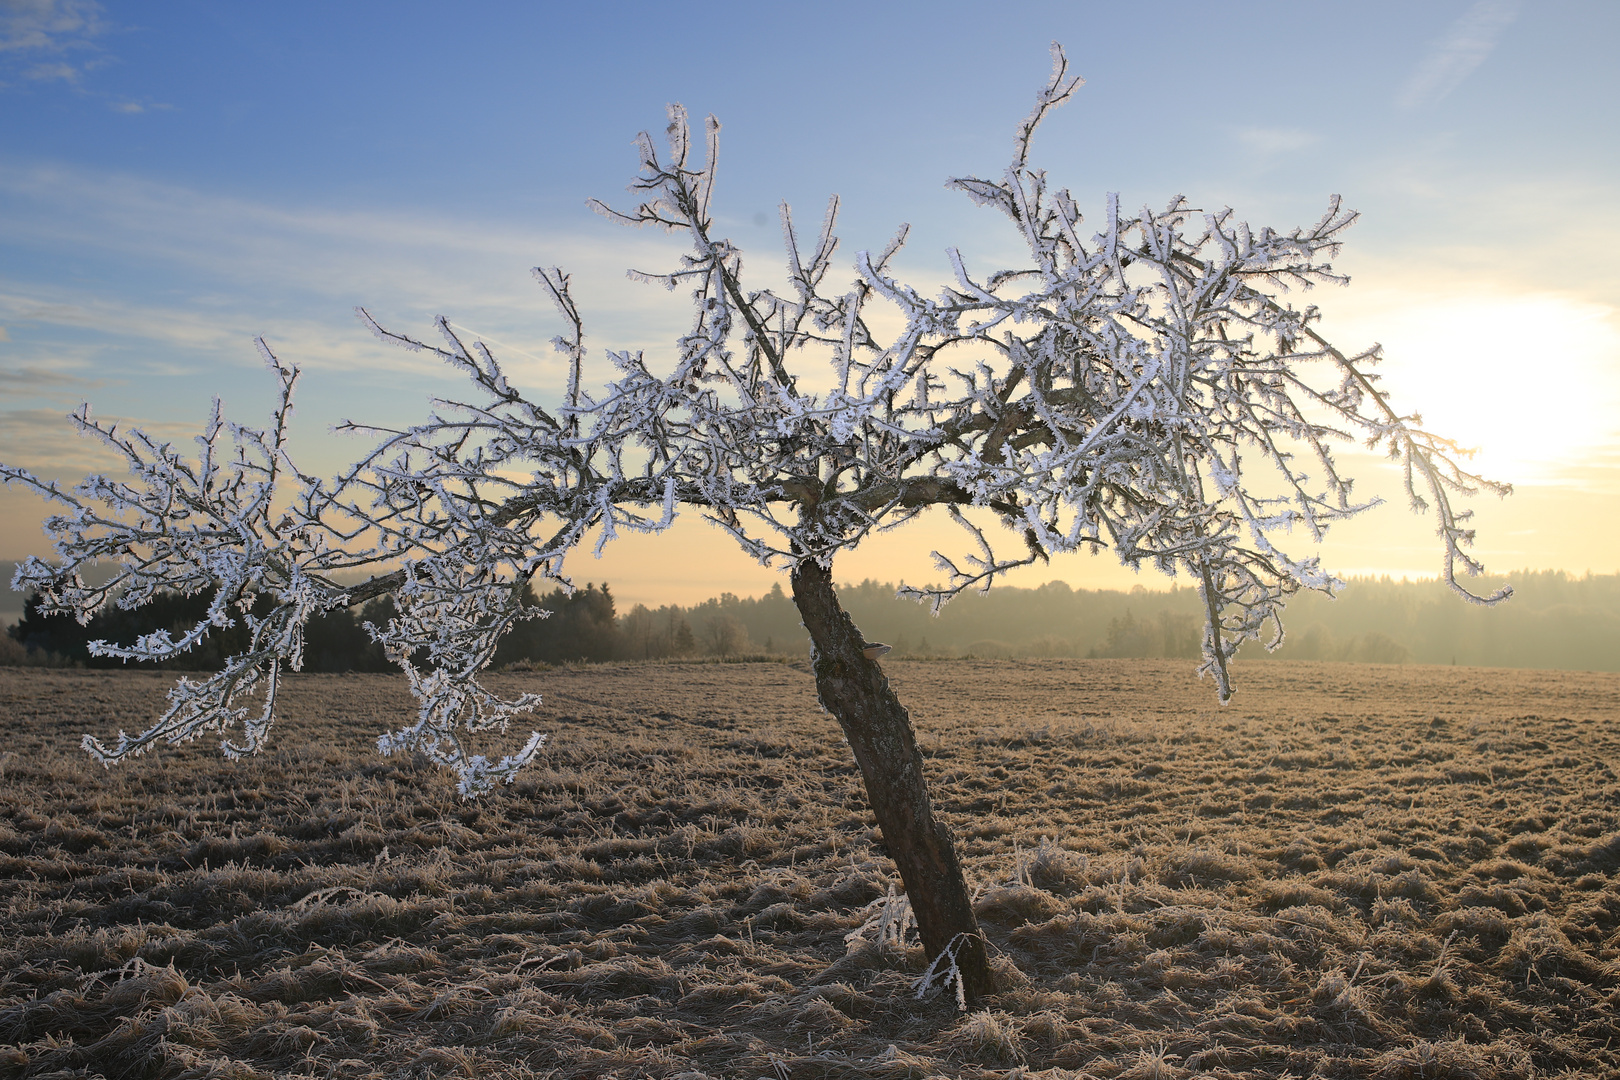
(1556,620)
(581,626)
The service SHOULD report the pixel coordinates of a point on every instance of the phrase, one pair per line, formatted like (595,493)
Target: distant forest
(1553,621)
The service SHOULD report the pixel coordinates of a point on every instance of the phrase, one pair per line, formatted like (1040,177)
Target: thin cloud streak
(46,443)
(236,237)
(33,379)
(319,258)
(190,340)
(1454,57)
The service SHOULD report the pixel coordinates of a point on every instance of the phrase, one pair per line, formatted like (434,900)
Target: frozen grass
(1352,871)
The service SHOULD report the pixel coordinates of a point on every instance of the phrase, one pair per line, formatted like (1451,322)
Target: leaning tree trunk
(878,728)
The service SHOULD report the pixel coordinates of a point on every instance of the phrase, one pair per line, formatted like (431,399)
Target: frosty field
(1353,870)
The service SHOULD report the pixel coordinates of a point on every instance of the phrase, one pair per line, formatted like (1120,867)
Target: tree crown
(1143,385)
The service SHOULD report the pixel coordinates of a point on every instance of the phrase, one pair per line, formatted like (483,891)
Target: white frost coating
(1121,391)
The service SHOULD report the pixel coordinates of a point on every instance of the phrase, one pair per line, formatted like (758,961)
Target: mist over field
(1553,621)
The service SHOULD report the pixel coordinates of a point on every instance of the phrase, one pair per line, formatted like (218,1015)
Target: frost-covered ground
(1351,871)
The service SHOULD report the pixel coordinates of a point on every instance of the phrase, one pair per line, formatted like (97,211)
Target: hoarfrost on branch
(1143,385)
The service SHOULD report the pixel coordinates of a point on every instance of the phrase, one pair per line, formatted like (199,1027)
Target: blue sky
(178,177)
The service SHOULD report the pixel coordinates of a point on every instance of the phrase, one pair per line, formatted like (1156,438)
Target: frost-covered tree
(1140,384)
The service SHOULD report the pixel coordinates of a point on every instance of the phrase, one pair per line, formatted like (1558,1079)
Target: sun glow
(1531,381)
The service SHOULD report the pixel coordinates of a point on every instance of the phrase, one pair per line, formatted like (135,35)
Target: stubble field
(1350,871)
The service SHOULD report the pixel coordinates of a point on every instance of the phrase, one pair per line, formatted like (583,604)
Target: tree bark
(878,728)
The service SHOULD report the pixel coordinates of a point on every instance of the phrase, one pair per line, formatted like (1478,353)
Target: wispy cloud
(33,379)
(78,330)
(47,24)
(38,38)
(52,71)
(44,441)
(1464,46)
(229,267)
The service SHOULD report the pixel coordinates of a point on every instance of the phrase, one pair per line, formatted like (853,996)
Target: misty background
(1555,620)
